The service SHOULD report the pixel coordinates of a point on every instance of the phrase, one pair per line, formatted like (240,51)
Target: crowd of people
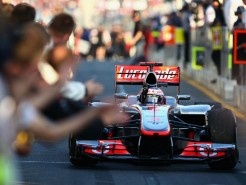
(203,16)
(36,66)
(116,44)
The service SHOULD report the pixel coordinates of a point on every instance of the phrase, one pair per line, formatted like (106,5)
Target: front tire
(222,129)
(76,158)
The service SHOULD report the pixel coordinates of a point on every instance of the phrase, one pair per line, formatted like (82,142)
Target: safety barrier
(221,86)
(240,97)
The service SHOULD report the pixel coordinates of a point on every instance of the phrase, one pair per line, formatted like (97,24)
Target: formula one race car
(160,129)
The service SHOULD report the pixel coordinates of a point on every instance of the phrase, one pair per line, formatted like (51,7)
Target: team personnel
(239,22)
(138,37)
(244,15)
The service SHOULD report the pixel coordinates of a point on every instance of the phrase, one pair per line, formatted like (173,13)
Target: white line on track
(24,183)
(44,162)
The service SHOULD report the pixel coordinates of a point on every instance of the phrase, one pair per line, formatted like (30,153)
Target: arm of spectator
(44,96)
(93,89)
(73,90)
(46,130)
(79,91)
(51,131)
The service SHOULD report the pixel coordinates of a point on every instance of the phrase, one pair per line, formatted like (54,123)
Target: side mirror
(183,97)
(120,95)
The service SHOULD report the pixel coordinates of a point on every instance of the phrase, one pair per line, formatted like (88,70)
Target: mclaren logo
(141,74)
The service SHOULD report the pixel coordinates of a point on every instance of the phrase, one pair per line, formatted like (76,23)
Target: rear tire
(222,129)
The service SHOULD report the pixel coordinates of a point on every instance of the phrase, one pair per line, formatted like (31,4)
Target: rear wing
(135,75)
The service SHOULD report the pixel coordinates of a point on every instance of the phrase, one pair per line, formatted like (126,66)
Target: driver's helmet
(155,95)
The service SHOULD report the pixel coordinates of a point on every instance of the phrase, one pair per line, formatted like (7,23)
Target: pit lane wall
(206,74)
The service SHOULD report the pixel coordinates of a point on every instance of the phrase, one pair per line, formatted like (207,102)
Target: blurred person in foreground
(7,9)
(21,99)
(7,107)
(65,106)
(22,14)
(60,28)
(75,95)
(13,88)
(33,97)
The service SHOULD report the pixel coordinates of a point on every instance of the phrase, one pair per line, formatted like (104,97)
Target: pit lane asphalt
(48,164)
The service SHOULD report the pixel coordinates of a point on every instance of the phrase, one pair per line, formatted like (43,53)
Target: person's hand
(23,143)
(111,115)
(93,88)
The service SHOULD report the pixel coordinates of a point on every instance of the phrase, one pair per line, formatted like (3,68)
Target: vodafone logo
(206,152)
(166,74)
(154,91)
(99,151)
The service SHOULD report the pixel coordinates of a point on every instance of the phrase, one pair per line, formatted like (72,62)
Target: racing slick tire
(222,129)
(75,159)
(92,132)
(216,105)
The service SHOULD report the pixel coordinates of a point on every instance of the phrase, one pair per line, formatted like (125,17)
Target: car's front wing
(193,152)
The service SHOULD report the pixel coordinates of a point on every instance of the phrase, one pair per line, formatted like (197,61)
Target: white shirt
(74,90)
(209,15)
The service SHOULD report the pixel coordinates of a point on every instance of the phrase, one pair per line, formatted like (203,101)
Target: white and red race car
(160,129)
